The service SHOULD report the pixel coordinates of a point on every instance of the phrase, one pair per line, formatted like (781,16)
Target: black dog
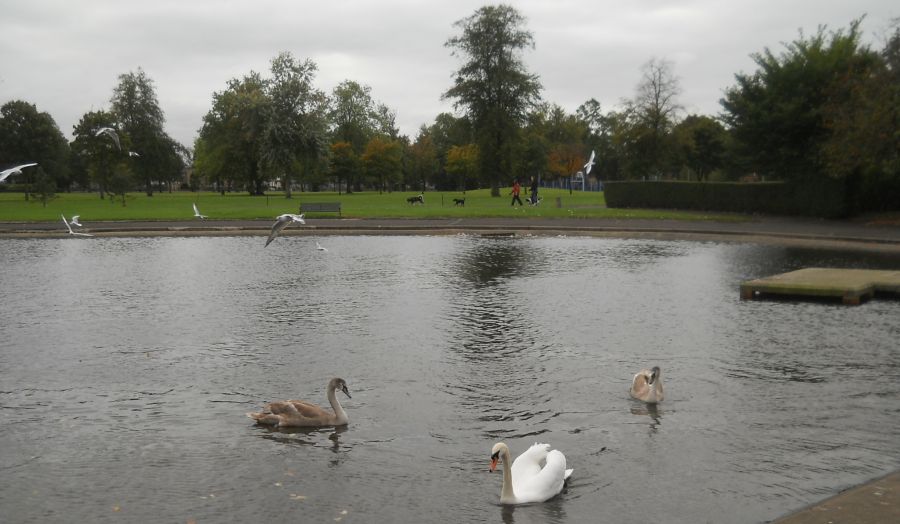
(418,199)
(459,201)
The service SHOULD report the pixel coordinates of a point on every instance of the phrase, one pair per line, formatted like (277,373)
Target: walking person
(534,191)
(515,193)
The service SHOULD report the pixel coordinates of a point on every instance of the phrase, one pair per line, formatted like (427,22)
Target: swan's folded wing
(307,409)
(529,463)
(281,407)
(546,484)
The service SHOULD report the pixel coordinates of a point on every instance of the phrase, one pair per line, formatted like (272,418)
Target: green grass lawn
(177,206)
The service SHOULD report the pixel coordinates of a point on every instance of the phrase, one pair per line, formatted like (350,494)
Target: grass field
(233,206)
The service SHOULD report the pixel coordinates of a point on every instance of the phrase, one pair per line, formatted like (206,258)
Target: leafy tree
(381,162)
(653,114)
(140,118)
(27,135)
(423,161)
(862,116)
(44,186)
(351,115)
(344,163)
(493,85)
(702,143)
(777,114)
(295,128)
(462,166)
(228,149)
(98,153)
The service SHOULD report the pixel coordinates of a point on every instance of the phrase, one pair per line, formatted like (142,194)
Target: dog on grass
(459,202)
(418,199)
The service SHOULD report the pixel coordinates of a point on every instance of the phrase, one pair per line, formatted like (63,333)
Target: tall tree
(29,135)
(101,156)
(423,161)
(344,163)
(141,119)
(228,148)
(862,116)
(294,129)
(462,166)
(381,162)
(654,111)
(493,86)
(701,144)
(777,113)
(351,115)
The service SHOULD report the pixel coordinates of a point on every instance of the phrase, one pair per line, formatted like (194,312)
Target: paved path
(876,502)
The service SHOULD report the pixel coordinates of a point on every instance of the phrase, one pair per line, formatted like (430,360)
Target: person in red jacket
(515,193)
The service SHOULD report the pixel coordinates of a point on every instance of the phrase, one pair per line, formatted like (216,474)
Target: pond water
(127,364)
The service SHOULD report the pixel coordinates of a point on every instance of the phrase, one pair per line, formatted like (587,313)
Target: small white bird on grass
(74,221)
(66,222)
(589,165)
(14,171)
(197,213)
(110,132)
(283,221)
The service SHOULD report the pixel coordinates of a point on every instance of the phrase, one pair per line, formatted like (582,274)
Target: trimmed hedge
(823,198)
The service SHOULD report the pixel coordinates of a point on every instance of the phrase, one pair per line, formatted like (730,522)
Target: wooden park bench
(321,207)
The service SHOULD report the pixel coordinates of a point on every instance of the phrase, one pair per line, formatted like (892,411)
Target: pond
(127,365)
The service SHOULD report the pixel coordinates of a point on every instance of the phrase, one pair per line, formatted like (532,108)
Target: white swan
(647,385)
(297,413)
(537,475)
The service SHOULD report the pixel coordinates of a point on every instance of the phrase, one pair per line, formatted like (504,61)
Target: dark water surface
(127,364)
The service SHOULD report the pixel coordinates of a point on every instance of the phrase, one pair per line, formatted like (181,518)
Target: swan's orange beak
(494,461)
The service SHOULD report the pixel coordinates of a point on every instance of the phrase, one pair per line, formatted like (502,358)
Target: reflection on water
(127,366)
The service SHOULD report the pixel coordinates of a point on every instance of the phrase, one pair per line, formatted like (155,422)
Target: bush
(822,198)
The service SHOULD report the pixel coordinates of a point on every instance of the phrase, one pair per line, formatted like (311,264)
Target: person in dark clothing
(534,191)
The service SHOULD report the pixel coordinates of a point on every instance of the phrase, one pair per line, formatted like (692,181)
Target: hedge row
(825,198)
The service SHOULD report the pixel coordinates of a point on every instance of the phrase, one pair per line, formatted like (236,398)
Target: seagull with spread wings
(17,170)
(197,213)
(110,132)
(589,165)
(66,222)
(281,222)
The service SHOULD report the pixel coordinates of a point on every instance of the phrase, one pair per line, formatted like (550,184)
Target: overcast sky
(65,56)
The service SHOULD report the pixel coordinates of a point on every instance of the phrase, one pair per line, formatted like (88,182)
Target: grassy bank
(233,206)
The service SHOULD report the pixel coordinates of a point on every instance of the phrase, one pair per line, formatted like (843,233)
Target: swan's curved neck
(506,492)
(339,414)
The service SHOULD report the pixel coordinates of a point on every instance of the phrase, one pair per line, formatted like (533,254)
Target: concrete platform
(876,502)
(850,285)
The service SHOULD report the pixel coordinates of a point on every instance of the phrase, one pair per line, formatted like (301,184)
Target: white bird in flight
(320,247)
(197,212)
(111,133)
(589,165)
(14,171)
(281,222)
(66,222)
(133,153)
(74,221)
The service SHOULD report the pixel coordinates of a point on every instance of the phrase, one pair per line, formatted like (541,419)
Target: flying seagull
(197,212)
(133,153)
(111,133)
(14,171)
(74,221)
(66,222)
(281,222)
(320,247)
(589,165)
